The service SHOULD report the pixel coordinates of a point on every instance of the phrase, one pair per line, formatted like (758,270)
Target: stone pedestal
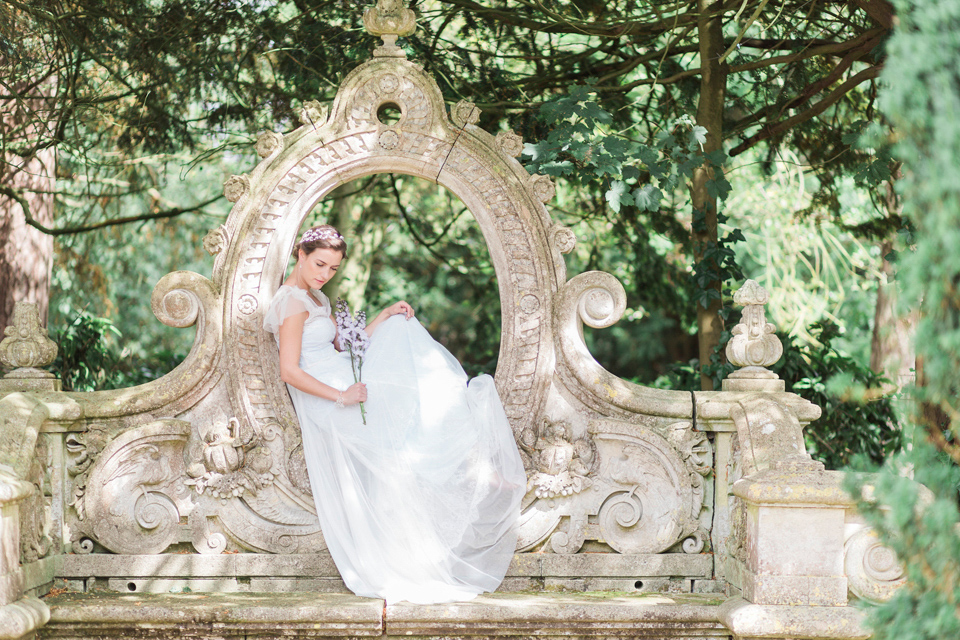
(19,617)
(794,584)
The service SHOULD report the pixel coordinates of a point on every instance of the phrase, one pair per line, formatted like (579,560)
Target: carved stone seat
(196,481)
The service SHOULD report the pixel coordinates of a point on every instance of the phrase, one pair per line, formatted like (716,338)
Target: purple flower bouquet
(353,338)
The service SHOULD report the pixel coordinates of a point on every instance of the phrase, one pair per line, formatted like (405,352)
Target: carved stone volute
(25,349)
(755,345)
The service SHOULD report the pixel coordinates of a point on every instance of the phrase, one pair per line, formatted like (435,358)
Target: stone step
(116,616)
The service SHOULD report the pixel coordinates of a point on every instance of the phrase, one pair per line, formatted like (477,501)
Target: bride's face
(317,268)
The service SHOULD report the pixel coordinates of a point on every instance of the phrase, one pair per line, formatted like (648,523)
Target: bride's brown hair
(323,236)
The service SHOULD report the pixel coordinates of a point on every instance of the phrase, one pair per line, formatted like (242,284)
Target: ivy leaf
(717,158)
(699,135)
(617,195)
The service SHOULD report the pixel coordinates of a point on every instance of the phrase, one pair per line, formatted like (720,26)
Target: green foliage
(581,146)
(85,361)
(920,525)
(922,100)
(859,416)
(89,358)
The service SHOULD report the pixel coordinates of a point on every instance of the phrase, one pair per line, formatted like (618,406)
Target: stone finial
(26,343)
(390,19)
(754,345)
(25,349)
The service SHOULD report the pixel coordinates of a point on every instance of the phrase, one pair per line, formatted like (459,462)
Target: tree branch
(50,231)
(769,131)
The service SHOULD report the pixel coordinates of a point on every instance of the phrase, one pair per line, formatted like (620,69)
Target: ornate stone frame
(299,169)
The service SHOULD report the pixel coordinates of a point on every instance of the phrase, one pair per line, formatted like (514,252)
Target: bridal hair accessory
(353,338)
(312,235)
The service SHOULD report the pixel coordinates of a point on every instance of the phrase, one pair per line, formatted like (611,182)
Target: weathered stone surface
(749,621)
(754,345)
(211,455)
(26,349)
(630,565)
(794,538)
(560,615)
(40,574)
(874,572)
(82,615)
(22,618)
(265,567)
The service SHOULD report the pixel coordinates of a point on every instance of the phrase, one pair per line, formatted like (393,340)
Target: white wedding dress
(421,503)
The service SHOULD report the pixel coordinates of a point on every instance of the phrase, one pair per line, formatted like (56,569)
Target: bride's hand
(399,307)
(355,393)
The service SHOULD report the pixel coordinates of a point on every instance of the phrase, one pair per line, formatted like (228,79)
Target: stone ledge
(579,615)
(109,616)
(307,615)
(776,622)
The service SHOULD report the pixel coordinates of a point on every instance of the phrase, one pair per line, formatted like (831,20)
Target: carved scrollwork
(35,542)
(621,510)
(570,538)
(597,299)
(646,495)
(696,542)
(544,187)
(83,545)
(216,240)
(82,451)
(564,239)
(177,299)
(873,570)
(135,490)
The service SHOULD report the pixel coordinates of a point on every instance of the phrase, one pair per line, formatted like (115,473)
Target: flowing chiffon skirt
(421,503)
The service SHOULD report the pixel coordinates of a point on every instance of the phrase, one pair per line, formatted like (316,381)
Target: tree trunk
(713,81)
(362,221)
(891,350)
(26,254)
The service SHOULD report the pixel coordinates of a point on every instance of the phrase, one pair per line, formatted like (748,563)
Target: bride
(421,502)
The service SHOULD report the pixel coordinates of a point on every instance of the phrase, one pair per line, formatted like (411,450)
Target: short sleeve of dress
(290,301)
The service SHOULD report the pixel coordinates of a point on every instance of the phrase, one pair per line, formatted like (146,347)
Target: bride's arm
(291,337)
(395,309)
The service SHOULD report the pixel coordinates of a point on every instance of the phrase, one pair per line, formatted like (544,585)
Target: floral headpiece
(312,235)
